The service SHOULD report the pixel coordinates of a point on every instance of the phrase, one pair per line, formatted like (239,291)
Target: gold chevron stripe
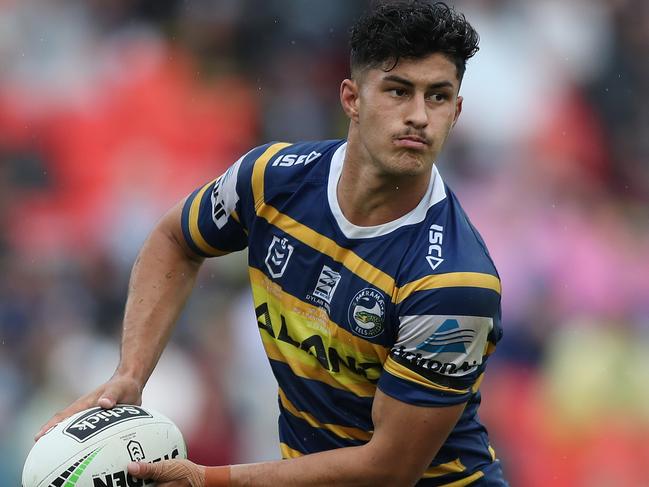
(194,230)
(346,432)
(260,168)
(405,373)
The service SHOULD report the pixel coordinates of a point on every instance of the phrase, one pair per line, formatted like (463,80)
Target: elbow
(169,230)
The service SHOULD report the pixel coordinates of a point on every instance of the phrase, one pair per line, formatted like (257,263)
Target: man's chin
(413,163)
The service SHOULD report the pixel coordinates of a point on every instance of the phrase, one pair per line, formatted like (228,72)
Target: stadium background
(112,110)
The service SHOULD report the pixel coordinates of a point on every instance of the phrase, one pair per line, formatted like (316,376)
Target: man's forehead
(430,69)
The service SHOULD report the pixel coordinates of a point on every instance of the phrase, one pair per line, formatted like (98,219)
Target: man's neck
(368,198)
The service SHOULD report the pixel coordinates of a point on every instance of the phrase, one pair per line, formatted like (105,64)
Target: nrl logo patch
(279,253)
(97,419)
(367,313)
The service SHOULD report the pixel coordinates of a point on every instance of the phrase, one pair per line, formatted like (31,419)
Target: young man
(376,299)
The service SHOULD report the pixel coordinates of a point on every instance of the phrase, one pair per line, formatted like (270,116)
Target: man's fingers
(118,389)
(44,429)
(106,402)
(56,419)
(167,470)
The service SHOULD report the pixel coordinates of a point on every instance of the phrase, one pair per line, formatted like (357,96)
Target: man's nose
(417,115)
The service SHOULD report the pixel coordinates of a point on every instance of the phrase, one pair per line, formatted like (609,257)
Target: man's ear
(458,109)
(349,98)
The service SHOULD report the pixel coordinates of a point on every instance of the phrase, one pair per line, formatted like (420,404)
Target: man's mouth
(411,142)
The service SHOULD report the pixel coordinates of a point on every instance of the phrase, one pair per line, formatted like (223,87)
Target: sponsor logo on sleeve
(366,313)
(435,239)
(450,345)
(97,420)
(288,160)
(279,253)
(224,195)
(449,337)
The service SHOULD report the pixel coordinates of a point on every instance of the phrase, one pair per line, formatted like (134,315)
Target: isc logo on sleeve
(295,159)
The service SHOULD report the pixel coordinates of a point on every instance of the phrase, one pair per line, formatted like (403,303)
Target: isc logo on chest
(295,159)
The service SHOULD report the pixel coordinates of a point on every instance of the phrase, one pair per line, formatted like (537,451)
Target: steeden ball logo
(367,313)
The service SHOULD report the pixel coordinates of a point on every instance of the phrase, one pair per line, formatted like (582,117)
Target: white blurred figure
(252,387)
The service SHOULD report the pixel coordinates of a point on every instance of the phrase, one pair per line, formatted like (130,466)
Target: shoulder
(445,241)
(448,263)
(301,155)
(282,167)
(280,156)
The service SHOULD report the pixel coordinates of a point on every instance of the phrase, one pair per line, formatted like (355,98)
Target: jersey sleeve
(212,217)
(443,339)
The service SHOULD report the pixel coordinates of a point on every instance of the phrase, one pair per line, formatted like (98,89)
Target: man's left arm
(406,438)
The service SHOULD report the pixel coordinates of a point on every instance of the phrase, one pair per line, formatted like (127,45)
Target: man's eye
(438,97)
(398,92)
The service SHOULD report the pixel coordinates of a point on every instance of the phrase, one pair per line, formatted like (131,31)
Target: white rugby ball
(93,447)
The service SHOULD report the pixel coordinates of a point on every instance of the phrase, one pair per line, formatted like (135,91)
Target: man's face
(405,115)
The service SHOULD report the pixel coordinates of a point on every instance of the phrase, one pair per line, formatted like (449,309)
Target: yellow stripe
(307,366)
(345,432)
(451,467)
(451,279)
(476,384)
(367,271)
(327,246)
(405,373)
(465,481)
(259,169)
(296,310)
(194,231)
(444,469)
(346,257)
(493,453)
(288,452)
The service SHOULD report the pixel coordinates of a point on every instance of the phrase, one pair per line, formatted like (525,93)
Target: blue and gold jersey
(411,306)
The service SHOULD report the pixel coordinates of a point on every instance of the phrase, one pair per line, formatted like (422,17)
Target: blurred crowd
(113,110)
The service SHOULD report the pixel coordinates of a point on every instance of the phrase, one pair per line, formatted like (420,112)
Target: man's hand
(170,473)
(119,389)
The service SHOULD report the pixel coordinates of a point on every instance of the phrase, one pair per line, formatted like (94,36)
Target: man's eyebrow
(410,84)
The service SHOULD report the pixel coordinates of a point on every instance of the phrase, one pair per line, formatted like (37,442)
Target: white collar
(434,194)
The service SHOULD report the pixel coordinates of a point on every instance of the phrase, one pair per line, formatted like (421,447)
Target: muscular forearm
(161,280)
(350,467)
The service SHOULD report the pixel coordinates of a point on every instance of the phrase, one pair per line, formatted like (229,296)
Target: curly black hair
(412,29)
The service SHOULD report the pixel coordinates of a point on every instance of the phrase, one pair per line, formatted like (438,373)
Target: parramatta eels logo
(367,313)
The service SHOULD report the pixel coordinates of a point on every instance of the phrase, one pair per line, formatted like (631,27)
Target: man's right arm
(161,280)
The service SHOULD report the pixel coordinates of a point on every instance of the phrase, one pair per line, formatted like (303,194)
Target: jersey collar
(434,194)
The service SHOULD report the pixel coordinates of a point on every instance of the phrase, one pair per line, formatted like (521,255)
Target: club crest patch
(367,313)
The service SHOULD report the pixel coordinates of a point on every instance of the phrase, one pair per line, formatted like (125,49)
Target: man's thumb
(140,469)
